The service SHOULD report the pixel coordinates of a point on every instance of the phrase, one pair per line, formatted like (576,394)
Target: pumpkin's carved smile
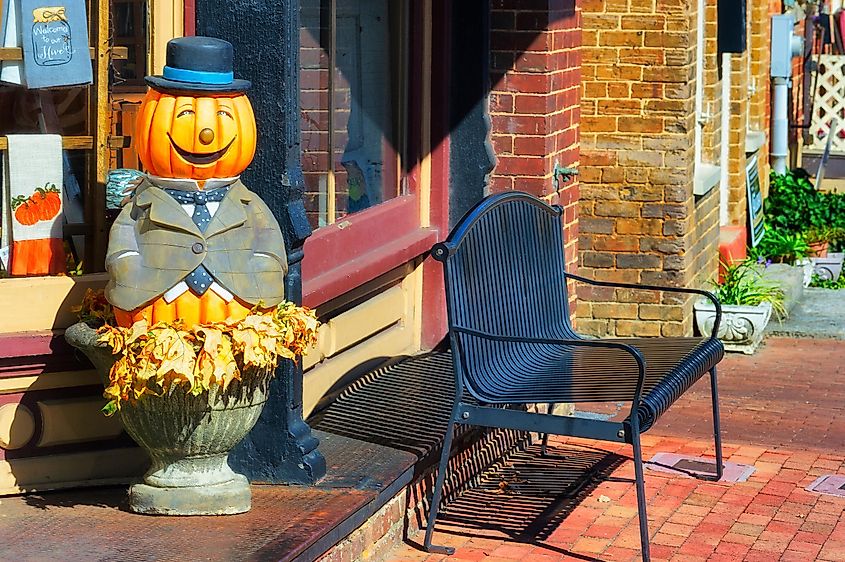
(200,158)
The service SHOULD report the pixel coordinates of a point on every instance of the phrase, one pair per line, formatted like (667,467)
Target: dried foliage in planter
(152,359)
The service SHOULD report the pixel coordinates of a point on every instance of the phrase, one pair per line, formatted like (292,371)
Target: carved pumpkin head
(196,135)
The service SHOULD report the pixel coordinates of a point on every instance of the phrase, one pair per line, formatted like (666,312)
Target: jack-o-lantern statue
(194,243)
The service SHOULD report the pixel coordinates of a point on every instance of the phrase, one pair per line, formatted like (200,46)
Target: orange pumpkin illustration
(47,202)
(43,205)
(26,212)
(198,137)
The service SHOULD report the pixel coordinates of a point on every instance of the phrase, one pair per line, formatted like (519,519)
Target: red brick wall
(534,102)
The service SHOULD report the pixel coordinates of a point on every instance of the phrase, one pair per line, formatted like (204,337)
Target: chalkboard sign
(55,43)
(756,225)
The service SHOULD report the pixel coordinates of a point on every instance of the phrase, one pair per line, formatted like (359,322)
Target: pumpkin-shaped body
(188,307)
(198,137)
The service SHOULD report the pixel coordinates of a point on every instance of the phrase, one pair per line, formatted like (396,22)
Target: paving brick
(805,547)
(590,545)
(736,550)
(511,550)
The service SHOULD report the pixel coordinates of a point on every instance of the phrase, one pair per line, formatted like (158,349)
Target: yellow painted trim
(392,342)
(32,304)
(167,20)
(425,116)
(415,283)
(331,196)
(383,326)
(37,474)
(48,381)
(75,420)
(358,324)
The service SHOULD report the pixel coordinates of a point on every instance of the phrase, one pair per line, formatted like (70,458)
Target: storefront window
(353,84)
(55,218)
(130,30)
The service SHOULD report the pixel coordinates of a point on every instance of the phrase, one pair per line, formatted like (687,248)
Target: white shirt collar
(188,184)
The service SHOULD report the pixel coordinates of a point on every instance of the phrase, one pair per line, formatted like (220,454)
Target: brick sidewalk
(782,413)
(789,394)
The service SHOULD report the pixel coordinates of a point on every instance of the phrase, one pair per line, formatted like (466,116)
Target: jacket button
(198,247)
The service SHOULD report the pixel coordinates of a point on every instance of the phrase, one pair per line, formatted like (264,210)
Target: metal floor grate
(404,405)
(829,484)
(694,466)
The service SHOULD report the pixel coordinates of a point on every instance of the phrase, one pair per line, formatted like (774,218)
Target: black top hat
(198,64)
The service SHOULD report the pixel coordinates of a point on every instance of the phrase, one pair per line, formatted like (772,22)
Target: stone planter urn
(741,327)
(829,267)
(188,439)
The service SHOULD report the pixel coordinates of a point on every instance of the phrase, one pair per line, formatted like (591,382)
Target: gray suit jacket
(242,248)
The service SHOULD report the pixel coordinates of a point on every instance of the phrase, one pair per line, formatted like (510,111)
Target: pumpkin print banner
(32,205)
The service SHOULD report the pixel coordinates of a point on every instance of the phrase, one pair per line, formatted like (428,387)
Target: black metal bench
(513,342)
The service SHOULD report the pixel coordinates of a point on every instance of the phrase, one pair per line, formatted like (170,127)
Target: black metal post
(265,34)
(471,156)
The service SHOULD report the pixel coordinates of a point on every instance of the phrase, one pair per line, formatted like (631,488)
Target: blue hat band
(198,76)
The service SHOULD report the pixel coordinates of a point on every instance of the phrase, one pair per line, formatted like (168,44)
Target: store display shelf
(15,53)
(81,142)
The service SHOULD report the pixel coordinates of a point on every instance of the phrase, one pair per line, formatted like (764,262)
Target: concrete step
(819,314)
(790,278)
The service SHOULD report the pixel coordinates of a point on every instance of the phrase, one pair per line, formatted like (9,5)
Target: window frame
(341,256)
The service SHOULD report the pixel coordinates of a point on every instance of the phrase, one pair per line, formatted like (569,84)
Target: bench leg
(717,430)
(438,491)
(544,446)
(640,483)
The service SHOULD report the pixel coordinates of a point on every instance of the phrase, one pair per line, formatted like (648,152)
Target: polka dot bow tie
(199,280)
(198,199)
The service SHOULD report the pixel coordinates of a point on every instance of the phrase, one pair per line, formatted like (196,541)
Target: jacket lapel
(230,214)
(165,210)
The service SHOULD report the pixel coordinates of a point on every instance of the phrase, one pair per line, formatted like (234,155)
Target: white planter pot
(741,328)
(829,267)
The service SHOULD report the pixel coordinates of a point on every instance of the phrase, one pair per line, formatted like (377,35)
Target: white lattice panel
(829,103)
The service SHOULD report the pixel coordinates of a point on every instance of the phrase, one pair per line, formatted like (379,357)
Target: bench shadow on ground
(526,496)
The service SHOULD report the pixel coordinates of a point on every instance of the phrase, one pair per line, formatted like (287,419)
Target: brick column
(740,82)
(534,101)
(639,220)
(759,102)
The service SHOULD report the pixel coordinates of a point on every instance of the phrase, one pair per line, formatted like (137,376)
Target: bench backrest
(504,272)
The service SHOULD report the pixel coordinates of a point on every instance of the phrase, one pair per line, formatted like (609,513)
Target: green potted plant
(826,265)
(795,206)
(783,246)
(747,304)
(819,239)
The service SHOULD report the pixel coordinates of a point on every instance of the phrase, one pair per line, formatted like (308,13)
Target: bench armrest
(630,349)
(702,292)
